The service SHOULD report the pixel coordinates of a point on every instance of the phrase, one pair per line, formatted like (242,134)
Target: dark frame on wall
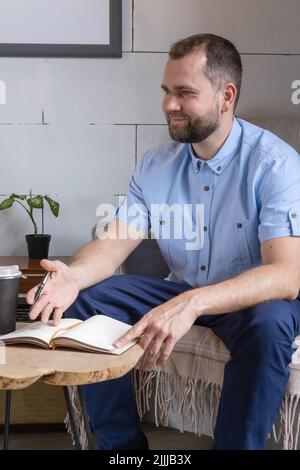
(113,49)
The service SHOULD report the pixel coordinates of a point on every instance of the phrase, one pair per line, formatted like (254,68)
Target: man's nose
(171,103)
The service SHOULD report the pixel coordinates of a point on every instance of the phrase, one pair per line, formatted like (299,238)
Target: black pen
(40,288)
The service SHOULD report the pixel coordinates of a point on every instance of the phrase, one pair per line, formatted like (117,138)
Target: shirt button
(219,168)
(205,228)
(162,222)
(239,225)
(203,268)
(206,188)
(294,215)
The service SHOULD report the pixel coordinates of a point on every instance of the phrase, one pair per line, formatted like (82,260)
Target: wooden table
(25,365)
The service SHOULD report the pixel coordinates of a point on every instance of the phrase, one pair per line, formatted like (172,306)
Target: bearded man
(240,276)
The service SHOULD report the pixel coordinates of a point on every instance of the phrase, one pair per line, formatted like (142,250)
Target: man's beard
(194,131)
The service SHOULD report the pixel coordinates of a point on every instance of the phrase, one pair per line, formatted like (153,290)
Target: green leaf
(17,196)
(54,206)
(6,204)
(36,202)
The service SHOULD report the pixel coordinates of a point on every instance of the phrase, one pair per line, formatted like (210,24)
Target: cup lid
(10,271)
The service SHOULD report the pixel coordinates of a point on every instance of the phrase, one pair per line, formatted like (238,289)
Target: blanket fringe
(187,397)
(183,396)
(74,396)
(286,430)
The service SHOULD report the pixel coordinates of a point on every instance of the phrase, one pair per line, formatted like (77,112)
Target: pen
(40,288)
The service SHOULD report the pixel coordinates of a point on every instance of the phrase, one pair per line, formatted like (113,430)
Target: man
(241,279)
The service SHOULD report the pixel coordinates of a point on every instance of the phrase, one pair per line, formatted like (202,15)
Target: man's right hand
(59,293)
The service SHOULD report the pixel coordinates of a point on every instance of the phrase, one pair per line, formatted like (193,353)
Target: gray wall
(73,128)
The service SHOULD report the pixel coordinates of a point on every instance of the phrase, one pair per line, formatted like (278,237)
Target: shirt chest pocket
(168,231)
(246,243)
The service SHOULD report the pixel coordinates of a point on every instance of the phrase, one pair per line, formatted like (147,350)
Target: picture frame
(111,48)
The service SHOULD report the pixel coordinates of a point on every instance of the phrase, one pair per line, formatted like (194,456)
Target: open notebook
(97,334)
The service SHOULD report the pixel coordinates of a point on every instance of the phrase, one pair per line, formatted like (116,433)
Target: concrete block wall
(74,128)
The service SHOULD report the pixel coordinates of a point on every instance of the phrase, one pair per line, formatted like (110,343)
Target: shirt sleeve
(133,209)
(280,198)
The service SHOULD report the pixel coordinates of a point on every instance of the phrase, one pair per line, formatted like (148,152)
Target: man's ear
(228,97)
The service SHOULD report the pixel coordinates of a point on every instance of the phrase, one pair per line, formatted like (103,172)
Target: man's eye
(185,93)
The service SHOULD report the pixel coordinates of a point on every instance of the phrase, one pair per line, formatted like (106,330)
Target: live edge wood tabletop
(24,365)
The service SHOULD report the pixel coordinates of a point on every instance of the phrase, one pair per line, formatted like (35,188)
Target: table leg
(86,420)
(7,419)
(72,418)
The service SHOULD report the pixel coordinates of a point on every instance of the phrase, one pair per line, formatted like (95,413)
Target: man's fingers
(166,351)
(156,347)
(57,315)
(46,312)
(30,295)
(153,358)
(131,334)
(38,307)
(153,351)
(50,265)
(151,341)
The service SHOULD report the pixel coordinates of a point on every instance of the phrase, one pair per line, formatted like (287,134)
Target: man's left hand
(161,328)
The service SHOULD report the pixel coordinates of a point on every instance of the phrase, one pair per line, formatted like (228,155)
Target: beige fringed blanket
(193,377)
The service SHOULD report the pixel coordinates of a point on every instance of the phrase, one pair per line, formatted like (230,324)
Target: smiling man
(242,280)
(191,102)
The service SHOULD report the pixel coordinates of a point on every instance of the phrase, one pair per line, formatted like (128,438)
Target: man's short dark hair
(223,62)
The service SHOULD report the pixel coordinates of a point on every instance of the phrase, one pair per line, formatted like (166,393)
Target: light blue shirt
(247,194)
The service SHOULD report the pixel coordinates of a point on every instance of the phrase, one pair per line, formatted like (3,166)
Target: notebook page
(40,330)
(99,331)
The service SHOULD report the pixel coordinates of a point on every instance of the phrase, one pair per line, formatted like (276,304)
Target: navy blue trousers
(260,343)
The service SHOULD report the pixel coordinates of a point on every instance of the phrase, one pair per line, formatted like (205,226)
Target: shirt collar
(224,156)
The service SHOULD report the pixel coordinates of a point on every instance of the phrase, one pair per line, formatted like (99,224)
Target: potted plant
(37,243)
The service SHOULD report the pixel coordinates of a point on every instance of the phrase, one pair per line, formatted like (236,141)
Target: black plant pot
(38,246)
